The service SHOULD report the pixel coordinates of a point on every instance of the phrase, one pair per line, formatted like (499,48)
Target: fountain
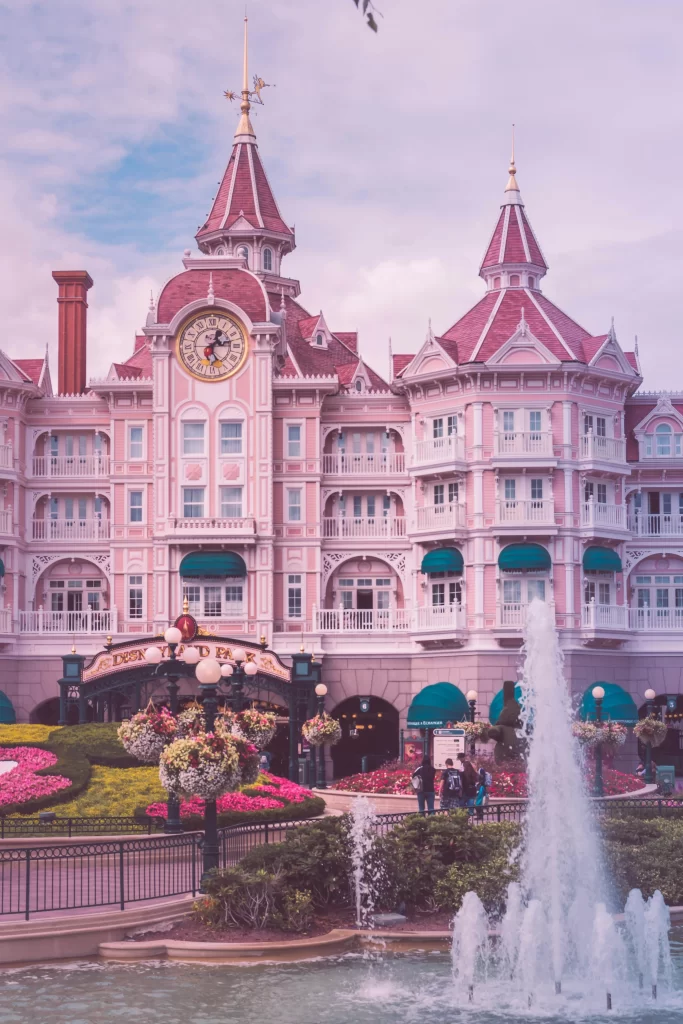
(362,833)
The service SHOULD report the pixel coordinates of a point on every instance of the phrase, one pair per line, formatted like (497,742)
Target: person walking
(470,780)
(423,783)
(481,799)
(451,787)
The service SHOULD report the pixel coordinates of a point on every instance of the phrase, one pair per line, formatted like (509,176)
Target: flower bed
(21,784)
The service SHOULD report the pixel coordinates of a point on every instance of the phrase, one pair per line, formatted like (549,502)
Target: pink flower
(21,784)
(280,792)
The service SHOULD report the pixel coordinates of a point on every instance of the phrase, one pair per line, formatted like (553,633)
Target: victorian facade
(246,457)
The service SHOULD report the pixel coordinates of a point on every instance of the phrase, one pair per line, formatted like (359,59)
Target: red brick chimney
(72,303)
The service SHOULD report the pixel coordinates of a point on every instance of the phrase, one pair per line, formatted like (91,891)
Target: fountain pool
(393,989)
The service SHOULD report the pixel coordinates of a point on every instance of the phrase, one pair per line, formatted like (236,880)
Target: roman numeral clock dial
(212,346)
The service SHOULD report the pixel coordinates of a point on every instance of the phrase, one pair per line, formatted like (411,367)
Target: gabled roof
(27,371)
(399,361)
(31,368)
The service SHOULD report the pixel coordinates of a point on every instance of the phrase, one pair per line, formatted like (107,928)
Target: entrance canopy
(2,567)
(524,558)
(7,712)
(442,560)
(213,563)
(599,559)
(497,704)
(437,704)
(617,705)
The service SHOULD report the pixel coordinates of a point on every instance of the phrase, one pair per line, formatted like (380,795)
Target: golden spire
(186,605)
(512,185)
(244,127)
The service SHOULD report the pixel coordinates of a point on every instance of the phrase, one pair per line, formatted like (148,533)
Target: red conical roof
(513,241)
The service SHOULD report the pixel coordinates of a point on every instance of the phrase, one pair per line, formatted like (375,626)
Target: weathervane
(253,95)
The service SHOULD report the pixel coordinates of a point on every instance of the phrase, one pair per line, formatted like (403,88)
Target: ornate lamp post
(172,668)
(650,710)
(208,673)
(472,701)
(598,695)
(236,671)
(321,693)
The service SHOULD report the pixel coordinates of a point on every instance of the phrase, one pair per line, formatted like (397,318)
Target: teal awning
(497,704)
(524,557)
(213,563)
(617,704)
(437,704)
(2,567)
(442,560)
(599,559)
(7,713)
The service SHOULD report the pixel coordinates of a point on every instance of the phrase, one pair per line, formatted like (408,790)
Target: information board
(447,743)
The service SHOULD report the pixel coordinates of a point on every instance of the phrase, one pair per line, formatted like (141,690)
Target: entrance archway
(371,734)
(671,750)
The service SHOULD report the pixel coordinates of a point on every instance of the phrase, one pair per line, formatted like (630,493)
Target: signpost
(447,743)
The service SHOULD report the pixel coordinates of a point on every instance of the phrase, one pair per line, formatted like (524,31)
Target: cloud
(387,151)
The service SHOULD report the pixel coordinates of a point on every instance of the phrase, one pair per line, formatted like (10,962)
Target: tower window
(267,259)
(514,280)
(243,252)
(496,282)
(532,282)
(359,384)
(319,339)
(220,251)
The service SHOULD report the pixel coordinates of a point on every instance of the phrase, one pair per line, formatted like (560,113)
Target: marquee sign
(132,655)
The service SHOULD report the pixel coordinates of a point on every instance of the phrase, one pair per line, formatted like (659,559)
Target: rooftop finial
(248,95)
(512,185)
(210,298)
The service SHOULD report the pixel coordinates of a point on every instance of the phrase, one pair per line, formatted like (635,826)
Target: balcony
(439,518)
(5,620)
(342,528)
(604,616)
(6,456)
(523,443)
(350,464)
(513,616)
(656,620)
(199,528)
(6,523)
(68,622)
(642,524)
(601,515)
(70,466)
(439,451)
(525,512)
(70,529)
(352,620)
(602,449)
(438,617)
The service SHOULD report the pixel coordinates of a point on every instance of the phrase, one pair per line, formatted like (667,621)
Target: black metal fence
(47,824)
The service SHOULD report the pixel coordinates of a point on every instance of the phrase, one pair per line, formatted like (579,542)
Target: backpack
(485,778)
(453,783)
(416,782)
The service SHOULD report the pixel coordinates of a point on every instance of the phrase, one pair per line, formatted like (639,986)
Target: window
(231,502)
(93,600)
(97,446)
(437,428)
(452,425)
(97,508)
(601,426)
(134,506)
(438,595)
(386,505)
(537,490)
(587,424)
(54,446)
(267,259)
(535,588)
(535,421)
(231,438)
(359,384)
(193,438)
(588,490)
(212,599)
(512,591)
(438,494)
(233,598)
(294,440)
(135,442)
(294,505)
(510,490)
(54,508)
(663,439)
(532,282)
(604,593)
(508,421)
(602,494)
(370,500)
(294,596)
(243,252)
(320,339)
(135,597)
(496,282)
(193,502)
(357,506)
(69,445)
(514,280)
(453,493)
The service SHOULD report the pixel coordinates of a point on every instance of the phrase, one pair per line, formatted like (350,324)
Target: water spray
(470,993)
(558,988)
(609,1000)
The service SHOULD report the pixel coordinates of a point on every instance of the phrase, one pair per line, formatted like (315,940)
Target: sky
(388,152)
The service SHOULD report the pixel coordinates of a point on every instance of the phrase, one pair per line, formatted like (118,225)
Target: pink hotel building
(246,456)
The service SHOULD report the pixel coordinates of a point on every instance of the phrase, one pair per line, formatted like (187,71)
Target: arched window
(320,339)
(267,259)
(532,282)
(220,251)
(663,437)
(243,252)
(514,280)
(359,384)
(496,282)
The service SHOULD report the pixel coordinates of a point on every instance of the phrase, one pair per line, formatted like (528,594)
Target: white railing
(525,510)
(439,517)
(70,529)
(515,614)
(645,525)
(656,620)
(364,526)
(5,620)
(357,464)
(244,525)
(595,513)
(607,449)
(71,465)
(603,616)
(68,622)
(523,442)
(438,616)
(5,522)
(352,620)
(439,449)
(6,456)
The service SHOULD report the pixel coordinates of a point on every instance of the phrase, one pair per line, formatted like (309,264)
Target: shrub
(489,880)
(115,792)
(646,855)
(244,898)
(20,735)
(98,741)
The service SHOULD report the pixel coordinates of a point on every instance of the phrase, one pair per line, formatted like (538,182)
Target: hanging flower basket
(475,730)
(146,734)
(651,730)
(206,765)
(249,757)
(586,733)
(322,729)
(612,736)
(192,721)
(257,726)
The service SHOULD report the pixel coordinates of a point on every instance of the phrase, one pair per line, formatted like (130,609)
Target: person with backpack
(451,787)
(470,781)
(422,782)
(481,799)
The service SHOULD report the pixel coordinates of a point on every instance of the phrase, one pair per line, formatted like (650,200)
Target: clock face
(212,346)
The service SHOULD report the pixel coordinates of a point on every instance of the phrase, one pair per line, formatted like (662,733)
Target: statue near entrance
(509,745)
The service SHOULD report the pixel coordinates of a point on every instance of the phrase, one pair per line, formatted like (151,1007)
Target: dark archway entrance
(371,734)
(671,750)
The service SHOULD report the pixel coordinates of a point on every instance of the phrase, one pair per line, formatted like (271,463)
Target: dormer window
(663,444)
(514,280)
(496,282)
(267,259)
(663,438)
(320,339)
(359,384)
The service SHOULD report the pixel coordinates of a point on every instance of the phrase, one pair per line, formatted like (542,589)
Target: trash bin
(364,764)
(666,779)
(304,771)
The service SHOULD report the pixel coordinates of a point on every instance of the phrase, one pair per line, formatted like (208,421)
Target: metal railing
(523,442)
(246,525)
(46,825)
(596,513)
(643,524)
(6,456)
(439,449)
(364,526)
(606,449)
(70,465)
(525,510)
(363,463)
(68,622)
(70,529)
(656,620)
(440,517)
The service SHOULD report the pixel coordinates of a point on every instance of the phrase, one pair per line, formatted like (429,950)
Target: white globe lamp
(208,672)
(153,655)
(226,670)
(173,635)
(251,668)
(239,654)
(191,656)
